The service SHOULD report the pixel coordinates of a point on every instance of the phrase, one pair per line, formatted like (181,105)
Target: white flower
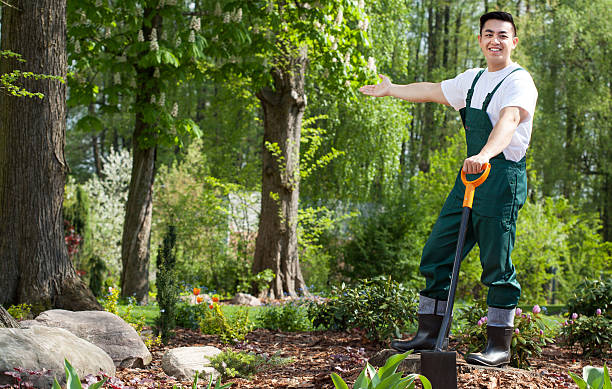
(195,24)
(98,3)
(317,25)
(218,10)
(372,64)
(152,101)
(178,41)
(238,15)
(306,6)
(133,83)
(347,58)
(270,7)
(347,84)
(117,79)
(174,112)
(160,4)
(332,38)
(192,36)
(162,99)
(156,73)
(77,47)
(334,46)
(140,36)
(334,59)
(107,33)
(154,46)
(339,17)
(361,4)
(227,17)
(153,35)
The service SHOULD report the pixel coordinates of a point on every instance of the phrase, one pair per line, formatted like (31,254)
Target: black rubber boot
(497,352)
(425,338)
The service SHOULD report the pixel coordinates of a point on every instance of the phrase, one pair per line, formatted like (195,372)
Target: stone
(246,299)
(104,329)
(38,347)
(411,365)
(183,362)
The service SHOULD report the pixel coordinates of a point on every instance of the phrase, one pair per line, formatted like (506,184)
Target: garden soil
(315,355)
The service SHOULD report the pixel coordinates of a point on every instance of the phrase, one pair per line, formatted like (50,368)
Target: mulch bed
(317,354)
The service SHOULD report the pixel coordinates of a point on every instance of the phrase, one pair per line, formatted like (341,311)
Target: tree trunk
(276,245)
(136,241)
(34,263)
(6,320)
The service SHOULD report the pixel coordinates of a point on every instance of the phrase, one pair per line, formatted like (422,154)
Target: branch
(8,5)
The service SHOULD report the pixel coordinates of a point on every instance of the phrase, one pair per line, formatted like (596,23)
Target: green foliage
(97,270)
(20,311)
(592,333)
(110,304)
(167,284)
(290,316)
(194,385)
(259,281)
(385,377)
(530,334)
(72,379)
(109,301)
(593,378)
(230,329)
(8,80)
(381,307)
(189,315)
(591,295)
(240,364)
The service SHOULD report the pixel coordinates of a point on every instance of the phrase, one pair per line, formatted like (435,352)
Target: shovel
(440,366)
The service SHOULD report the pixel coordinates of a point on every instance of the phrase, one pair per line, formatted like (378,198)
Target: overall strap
(468,99)
(487,100)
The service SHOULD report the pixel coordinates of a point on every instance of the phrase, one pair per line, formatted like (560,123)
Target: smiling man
(496,106)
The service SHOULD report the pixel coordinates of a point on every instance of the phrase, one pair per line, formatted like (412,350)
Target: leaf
(606,381)
(593,376)
(72,378)
(579,381)
(98,384)
(168,58)
(90,123)
(362,381)
(338,382)
(56,384)
(391,365)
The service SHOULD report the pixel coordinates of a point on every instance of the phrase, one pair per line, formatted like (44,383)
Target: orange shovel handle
(470,186)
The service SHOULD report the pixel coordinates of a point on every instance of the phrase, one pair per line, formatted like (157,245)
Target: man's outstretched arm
(418,92)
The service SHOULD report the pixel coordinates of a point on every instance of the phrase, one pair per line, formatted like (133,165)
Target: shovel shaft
(446,321)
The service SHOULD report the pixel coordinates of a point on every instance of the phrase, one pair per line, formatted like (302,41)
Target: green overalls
(492,222)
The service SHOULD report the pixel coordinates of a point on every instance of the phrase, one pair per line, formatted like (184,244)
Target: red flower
(196,291)
(199,299)
(215,299)
(211,306)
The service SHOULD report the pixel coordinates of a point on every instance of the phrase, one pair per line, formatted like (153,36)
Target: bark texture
(276,245)
(6,320)
(136,241)
(34,263)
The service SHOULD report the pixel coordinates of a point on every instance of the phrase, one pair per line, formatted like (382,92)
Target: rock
(38,347)
(412,363)
(183,362)
(104,329)
(246,299)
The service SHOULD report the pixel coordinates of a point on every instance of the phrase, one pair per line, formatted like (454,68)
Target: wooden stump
(6,320)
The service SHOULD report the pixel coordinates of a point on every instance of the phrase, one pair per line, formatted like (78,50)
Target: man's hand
(381,89)
(475,164)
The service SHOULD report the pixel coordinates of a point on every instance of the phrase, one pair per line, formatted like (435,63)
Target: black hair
(497,15)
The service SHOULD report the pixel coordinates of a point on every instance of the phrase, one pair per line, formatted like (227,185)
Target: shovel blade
(440,367)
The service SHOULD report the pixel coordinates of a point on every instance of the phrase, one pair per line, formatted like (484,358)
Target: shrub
(230,330)
(590,296)
(592,333)
(233,364)
(167,285)
(290,317)
(381,307)
(20,312)
(189,316)
(109,303)
(385,377)
(530,334)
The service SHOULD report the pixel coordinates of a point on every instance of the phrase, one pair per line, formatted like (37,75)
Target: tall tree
(34,263)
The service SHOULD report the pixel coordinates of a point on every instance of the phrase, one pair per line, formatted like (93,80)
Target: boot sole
(481,363)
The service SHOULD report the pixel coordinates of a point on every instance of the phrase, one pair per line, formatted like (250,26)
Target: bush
(530,334)
(233,364)
(230,330)
(381,307)
(167,285)
(291,317)
(592,333)
(20,312)
(590,296)
(189,316)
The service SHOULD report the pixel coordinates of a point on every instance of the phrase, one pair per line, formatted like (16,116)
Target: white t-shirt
(518,90)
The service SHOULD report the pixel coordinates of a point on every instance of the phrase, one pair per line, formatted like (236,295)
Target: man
(496,106)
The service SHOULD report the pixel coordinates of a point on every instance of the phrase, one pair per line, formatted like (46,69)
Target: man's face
(497,41)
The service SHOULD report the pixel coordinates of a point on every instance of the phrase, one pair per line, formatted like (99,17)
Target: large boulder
(246,299)
(37,348)
(183,362)
(104,329)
